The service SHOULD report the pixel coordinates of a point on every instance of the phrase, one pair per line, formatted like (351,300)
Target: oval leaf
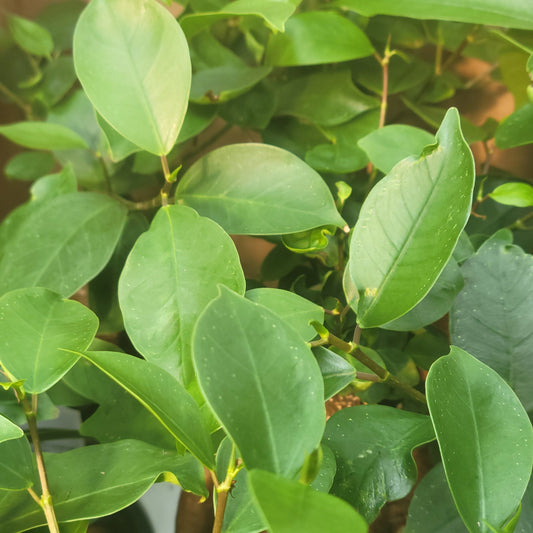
(336,371)
(516,129)
(243,350)
(394,260)
(35,324)
(190,255)
(30,36)
(8,430)
(269,192)
(291,506)
(16,468)
(474,413)
(133,61)
(317,37)
(517,194)
(42,136)
(61,244)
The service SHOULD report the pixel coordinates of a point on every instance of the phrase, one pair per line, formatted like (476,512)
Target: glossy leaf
(291,506)
(29,165)
(270,192)
(16,466)
(373,447)
(162,395)
(516,129)
(35,324)
(387,146)
(133,62)
(41,253)
(437,302)
(492,317)
(8,430)
(243,350)
(393,258)
(317,37)
(30,36)
(191,256)
(336,371)
(325,98)
(93,481)
(42,136)
(514,193)
(515,14)
(293,309)
(467,401)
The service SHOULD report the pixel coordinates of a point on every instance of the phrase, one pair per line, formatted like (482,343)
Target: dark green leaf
(59,19)
(516,129)
(336,371)
(35,324)
(393,261)
(16,466)
(270,192)
(326,474)
(58,78)
(317,37)
(475,413)
(133,62)
(373,447)
(29,165)
(42,136)
(243,350)
(291,506)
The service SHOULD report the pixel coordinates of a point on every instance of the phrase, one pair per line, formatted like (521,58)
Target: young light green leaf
(293,309)
(336,371)
(93,481)
(243,350)
(495,325)
(291,506)
(317,37)
(8,430)
(30,36)
(393,258)
(514,14)
(42,136)
(467,401)
(270,192)
(16,466)
(162,395)
(133,61)
(41,253)
(35,324)
(387,146)
(514,193)
(516,129)
(373,447)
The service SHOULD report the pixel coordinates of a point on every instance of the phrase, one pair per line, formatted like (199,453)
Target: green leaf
(62,243)
(35,324)
(29,165)
(387,146)
(162,395)
(393,260)
(517,194)
(326,474)
(495,325)
(325,98)
(16,467)
(437,302)
(432,508)
(49,187)
(190,255)
(373,447)
(270,192)
(133,61)
(467,401)
(336,371)
(514,14)
(293,309)
(197,119)
(243,350)
(119,147)
(291,506)
(42,136)
(30,36)
(8,430)
(516,129)
(93,481)
(58,78)
(317,37)
(274,13)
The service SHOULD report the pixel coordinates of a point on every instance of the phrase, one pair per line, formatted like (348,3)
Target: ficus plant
(393,283)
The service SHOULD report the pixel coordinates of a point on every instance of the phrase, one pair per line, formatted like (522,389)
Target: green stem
(385,86)
(16,100)
(352,349)
(519,224)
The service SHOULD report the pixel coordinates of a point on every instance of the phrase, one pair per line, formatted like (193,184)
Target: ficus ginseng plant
(391,285)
